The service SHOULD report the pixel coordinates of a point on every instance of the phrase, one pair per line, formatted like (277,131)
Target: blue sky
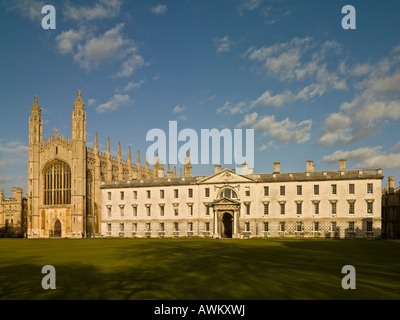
(287,69)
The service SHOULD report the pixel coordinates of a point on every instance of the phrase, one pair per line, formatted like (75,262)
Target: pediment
(226,176)
(225,201)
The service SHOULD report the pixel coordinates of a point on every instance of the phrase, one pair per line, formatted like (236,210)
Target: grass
(199,269)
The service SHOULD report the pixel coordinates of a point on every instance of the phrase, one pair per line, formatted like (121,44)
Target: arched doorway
(57,229)
(227,220)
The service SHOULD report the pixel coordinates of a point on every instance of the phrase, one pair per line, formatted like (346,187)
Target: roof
(253,178)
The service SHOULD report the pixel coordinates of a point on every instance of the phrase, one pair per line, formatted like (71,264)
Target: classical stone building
(391,210)
(334,204)
(13,211)
(64,177)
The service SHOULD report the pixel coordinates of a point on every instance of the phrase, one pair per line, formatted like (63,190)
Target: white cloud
(223,44)
(356,155)
(102,9)
(376,100)
(233,108)
(114,103)
(249,119)
(68,40)
(107,47)
(249,5)
(284,131)
(267,146)
(300,59)
(90,50)
(178,109)
(91,102)
(368,157)
(279,100)
(13,148)
(268,99)
(131,85)
(30,9)
(160,9)
(386,84)
(130,66)
(282,59)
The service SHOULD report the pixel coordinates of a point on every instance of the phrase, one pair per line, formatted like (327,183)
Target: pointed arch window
(57,183)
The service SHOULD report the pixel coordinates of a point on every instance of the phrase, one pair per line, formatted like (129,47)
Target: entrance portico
(226,217)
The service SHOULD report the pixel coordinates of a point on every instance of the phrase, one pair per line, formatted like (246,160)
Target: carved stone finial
(79,102)
(35,107)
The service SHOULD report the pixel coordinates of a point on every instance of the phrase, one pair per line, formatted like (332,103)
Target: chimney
(246,170)
(277,167)
(342,164)
(217,168)
(391,185)
(310,166)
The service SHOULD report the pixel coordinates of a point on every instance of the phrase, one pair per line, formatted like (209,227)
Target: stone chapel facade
(64,178)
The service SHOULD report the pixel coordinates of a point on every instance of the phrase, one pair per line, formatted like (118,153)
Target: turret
(35,141)
(96,144)
(138,173)
(170,174)
(17,194)
(130,165)
(78,174)
(147,167)
(109,164)
(187,169)
(120,169)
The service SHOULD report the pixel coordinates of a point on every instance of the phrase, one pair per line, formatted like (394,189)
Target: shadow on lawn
(192,270)
(73,282)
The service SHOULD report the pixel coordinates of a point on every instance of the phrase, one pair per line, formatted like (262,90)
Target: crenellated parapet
(56,139)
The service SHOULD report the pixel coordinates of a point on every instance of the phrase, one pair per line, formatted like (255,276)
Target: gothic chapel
(64,178)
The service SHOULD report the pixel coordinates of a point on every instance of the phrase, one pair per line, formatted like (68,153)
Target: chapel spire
(35,107)
(79,104)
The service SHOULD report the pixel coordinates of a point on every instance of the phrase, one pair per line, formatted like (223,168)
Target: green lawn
(199,269)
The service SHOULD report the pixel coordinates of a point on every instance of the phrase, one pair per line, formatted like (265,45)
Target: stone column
(215,222)
(234,233)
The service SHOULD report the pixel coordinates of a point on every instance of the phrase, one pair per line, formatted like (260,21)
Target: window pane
(266,208)
(282,205)
(299,207)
